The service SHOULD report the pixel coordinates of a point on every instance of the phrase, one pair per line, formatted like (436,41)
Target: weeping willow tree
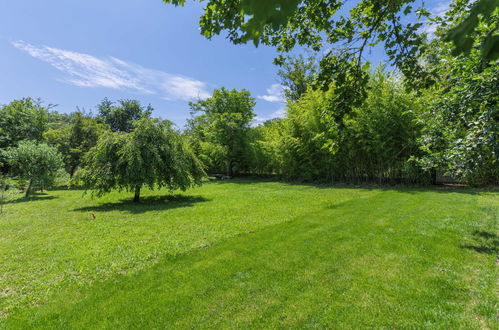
(152,155)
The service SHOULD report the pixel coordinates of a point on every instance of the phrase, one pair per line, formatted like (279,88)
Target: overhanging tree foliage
(463,34)
(321,24)
(152,155)
(345,35)
(315,23)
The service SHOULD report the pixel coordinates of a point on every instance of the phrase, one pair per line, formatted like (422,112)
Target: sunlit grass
(252,254)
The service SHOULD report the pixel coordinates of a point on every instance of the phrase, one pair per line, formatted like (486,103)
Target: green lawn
(252,254)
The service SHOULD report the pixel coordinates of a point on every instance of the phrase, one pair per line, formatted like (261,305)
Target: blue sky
(74,53)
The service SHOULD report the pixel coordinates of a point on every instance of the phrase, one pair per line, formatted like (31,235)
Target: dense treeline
(373,143)
(121,148)
(381,126)
(394,136)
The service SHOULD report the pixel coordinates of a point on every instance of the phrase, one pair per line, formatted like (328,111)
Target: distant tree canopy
(151,155)
(38,163)
(75,139)
(24,119)
(120,117)
(220,127)
(296,75)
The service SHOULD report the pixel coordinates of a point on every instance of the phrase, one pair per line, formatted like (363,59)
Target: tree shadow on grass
(32,198)
(146,204)
(403,188)
(485,242)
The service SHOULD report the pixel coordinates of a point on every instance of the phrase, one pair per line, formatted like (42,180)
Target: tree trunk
(28,190)
(2,198)
(136,198)
(230,169)
(72,171)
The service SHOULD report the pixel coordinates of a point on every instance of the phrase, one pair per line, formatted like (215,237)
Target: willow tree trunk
(136,198)
(230,168)
(28,190)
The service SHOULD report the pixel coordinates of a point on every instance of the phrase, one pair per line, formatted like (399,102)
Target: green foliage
(3,189)
(461,124)
(461,133)
(120,117)
(219,129)
(373,143)
(343,121)
(75,139)
(24,119)
(296,75)
(348,83)
(380,135)
(38,163)
(317,24)
(264,146)
(306,138)
(463,35)
(152,155)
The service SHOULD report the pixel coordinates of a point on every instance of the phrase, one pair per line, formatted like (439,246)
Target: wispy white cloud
(438,11)
(441,9)
(85,70)
(281,113)
(274,94)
